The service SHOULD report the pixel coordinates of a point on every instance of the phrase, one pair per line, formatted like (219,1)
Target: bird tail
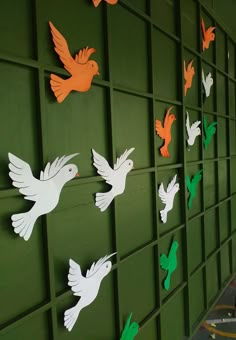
(23,224)
(60,87)
(190,201)
(164,151)
(96,2)
(103,200)
(163,214)
(71,316)
(167,281)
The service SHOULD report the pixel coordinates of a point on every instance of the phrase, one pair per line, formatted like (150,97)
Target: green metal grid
(180,301)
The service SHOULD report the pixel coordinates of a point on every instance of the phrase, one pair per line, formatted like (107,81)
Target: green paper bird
(209,131)
(169,263)
(192,186)
(130,330)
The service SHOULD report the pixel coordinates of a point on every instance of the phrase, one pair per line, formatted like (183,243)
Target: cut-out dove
(87,287)
(207,83)
(116,178)
(45,192)
(81,69)
(193,131)
(208,35)
(209,131)
(169,263)
(167,197)
(110,2)
(188,76)
(130,330)
(192,186)
(164,132)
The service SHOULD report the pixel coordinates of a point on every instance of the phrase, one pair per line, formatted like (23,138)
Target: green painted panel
(233,171)
(223,179)
(139,4)
(195,244)
(234,253)
(210,184)
(220,42)
(149,332)
(212,278)
(222,131)
(196,288)
(134,214)
(211,230)
(225,269)
(190,23)
(233,212)
(224,221)
(221,88)
(232,104)
(232,128)
(231,57)
(166,17)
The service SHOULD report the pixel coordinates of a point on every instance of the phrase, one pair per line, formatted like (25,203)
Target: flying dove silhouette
(116,178)
(192,186)
(82,69)
(188,76)
(209,131)
(167,197)
(193,131)
(208,35)
(85,287)
(111,2)
(165,131)
(207,83)
(130,330)
(169,263)
(44,192)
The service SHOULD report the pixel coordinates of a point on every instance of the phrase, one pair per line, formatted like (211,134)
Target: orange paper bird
(188,76)
(82,69)
(111,2)
(208,35)
(165,132)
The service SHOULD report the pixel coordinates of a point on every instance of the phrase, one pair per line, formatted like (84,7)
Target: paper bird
(209,131)
(165,132)
(116,178)
(167,197)
(207,83)
(208,35)
(188,76)
(192,186)
(87,287)
(82,69)
(130,330)
(44,192)
(193,131)
(111,2)
(169,263)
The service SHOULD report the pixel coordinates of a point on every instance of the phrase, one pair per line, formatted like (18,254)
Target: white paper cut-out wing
(188,123)
(52,169)
(171,184)
(76,280)
(97,265)
(120,160)
(103,168)
(162,194)
(23,178)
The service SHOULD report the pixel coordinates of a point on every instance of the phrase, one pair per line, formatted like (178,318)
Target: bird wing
(197,177)
(97,265)
(167,116)
(162,194)
(203,27)
(126,328)
(61,47)
(195,124)
(23,178)
(76,280)
(159,129)
(103,167)
(211,127)
(52,169)
(203,79)
(171,184)
(187,123)
(120,160)
(83,56)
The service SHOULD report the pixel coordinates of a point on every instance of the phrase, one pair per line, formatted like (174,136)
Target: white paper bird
(44,192)
(116,178)
(193,130)
(85,287)
(167,197)
(207,83)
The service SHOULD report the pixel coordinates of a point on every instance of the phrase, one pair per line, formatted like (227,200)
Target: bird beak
(98,74)
(77,175)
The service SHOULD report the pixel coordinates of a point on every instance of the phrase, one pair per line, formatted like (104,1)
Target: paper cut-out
(188,76)
(130,330)
(169,263)
(207,83)
(193,131)
(167,197)
(116,178)
(164,132)
(111,2)
(45,192)
(192,186)
(209,131)
(87,287)
(208,35)
(82,69)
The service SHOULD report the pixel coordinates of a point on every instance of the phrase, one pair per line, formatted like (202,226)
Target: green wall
(141,46)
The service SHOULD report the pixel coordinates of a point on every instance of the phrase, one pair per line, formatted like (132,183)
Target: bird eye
(107,266)
(70,169)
